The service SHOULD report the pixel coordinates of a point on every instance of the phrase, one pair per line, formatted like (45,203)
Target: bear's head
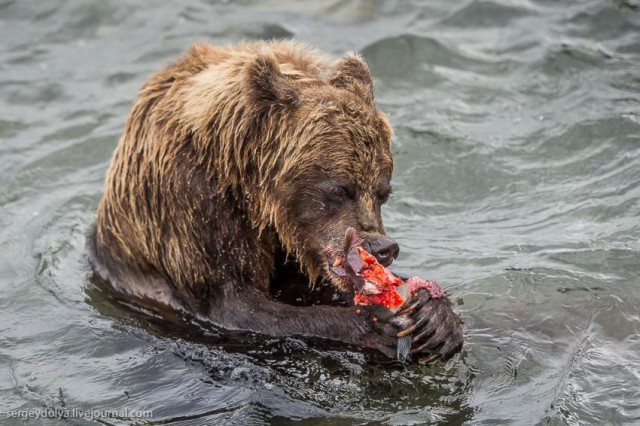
(323,161)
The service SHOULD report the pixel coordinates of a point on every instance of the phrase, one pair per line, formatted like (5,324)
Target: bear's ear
(268,83)
(351,73)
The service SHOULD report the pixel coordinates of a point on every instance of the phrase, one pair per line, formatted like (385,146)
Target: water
(517,185)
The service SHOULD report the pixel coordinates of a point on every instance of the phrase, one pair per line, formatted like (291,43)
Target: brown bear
(238,167)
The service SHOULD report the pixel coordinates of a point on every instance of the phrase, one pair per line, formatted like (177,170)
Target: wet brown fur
(236,161)
(214,146)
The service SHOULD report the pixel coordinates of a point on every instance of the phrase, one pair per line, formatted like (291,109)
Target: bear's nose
(384,249)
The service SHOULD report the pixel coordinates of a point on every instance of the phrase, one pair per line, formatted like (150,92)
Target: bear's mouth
(335,260)
(339,264)
(331,262)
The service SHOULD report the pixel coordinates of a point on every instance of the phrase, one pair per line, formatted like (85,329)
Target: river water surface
(517,186)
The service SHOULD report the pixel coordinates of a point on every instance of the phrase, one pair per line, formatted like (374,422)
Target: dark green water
(517,186)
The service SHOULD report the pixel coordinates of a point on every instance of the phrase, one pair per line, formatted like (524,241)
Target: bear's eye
(383,195)
(341,193)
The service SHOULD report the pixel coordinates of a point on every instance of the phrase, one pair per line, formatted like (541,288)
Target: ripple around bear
(238,167)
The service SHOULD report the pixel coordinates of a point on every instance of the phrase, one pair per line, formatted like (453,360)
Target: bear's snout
(384,248)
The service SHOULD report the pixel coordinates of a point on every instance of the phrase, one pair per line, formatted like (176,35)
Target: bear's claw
(438,330)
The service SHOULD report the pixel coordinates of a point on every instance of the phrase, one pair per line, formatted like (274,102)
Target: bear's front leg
(436,331)
(248,308)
